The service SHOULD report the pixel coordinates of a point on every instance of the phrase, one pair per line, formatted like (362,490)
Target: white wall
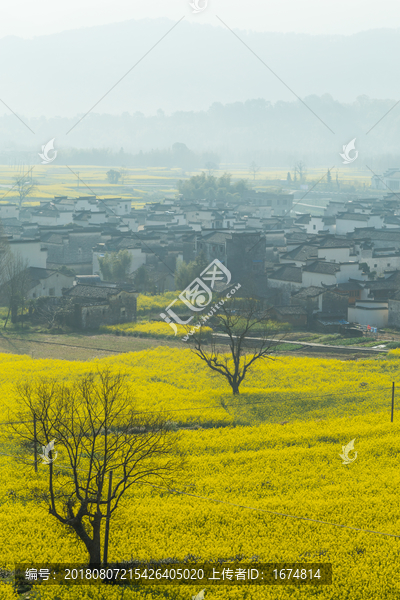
(123,207)
(81,205)
(383,263)
(97,218)
(315,224)
(194,225)
(334,254)
(350,271)
(374,314)
(180,218)
(348,225)
(30,251)
(344,226)
(317,279)
(62,218)
(131,221)
(331,228)
(56,282)
(375,221)
(9,211)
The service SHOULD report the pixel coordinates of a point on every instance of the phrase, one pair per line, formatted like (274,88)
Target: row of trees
(178,155)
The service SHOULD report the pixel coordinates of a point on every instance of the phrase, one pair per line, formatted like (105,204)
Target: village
(323,272)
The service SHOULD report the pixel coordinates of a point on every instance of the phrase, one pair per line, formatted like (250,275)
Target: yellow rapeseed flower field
(264,477)
(149,304)
(153,330)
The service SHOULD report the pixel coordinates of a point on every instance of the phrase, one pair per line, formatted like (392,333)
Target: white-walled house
(85,203)
(316,224)
(208,219)
(119,206)
(383,263)
(350,270)
(132,221)
(287,279)
(155,219)
(369,312)
(348,222)
(339,254)
(50,215)
(47,282)
(29,251)
(9,211)
(321,273)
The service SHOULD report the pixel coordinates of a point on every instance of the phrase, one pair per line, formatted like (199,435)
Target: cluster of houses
(313,271)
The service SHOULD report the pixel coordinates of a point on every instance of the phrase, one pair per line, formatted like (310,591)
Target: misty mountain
(201,86)
(194,65)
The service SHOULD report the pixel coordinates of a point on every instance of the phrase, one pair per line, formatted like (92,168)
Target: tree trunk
(8,314)
(14,312)
(95,546)
(95,553)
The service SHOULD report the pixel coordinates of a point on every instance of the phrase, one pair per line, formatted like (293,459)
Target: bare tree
(254,168)
(54,312)
(4,252)
(246,327)
(25,187)
(300,169)
(95,432)
(15,282)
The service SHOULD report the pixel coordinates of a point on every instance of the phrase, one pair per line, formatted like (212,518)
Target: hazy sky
(26,18)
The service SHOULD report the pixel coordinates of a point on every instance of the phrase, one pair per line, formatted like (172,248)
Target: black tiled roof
(309,292)
(95,292)
(287,273)
(291,310)
(303,252)
(328,268)
(353,216)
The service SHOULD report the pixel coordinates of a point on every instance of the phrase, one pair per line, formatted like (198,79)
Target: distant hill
(205,71)
(192,67)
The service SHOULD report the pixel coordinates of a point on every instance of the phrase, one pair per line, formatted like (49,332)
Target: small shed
(96,305)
